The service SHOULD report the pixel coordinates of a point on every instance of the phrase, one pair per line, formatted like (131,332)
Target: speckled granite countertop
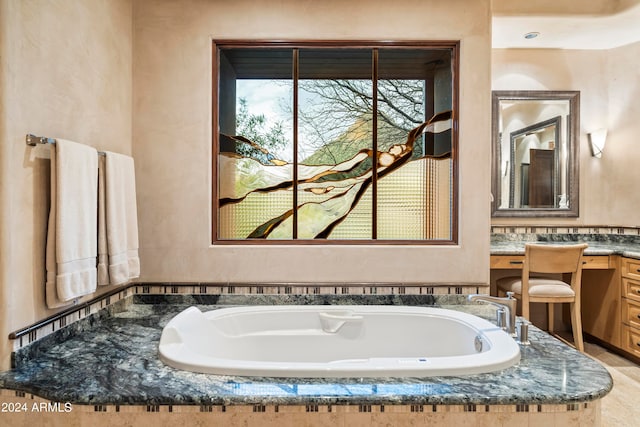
(599,244)
(114,360)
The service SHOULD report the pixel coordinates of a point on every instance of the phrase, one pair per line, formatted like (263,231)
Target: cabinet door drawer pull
(517,263)
(637,291)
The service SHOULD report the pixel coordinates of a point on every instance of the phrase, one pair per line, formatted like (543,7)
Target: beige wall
(618,175)
(172,138)
(609,97)
(89,70)
(65,72)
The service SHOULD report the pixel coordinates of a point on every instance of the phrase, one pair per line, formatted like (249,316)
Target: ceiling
(567,31)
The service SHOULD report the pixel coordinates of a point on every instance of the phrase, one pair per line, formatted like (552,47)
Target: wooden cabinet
(631,289)
(508,262)
(631,338)
(631,268)
(598,262)
(601,303)
(513,262)
(630,272)
(611,304)
(610,298)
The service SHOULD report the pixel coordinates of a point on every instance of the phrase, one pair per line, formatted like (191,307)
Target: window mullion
(295,143)
(374,141)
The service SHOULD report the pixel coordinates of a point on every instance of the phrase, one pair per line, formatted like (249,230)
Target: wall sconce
(597,139)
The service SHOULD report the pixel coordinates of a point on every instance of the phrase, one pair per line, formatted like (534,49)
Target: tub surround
(114,361)
(329,293)
(57,331)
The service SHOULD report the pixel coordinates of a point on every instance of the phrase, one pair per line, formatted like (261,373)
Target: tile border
(30,400)
(564,229)
(306,289)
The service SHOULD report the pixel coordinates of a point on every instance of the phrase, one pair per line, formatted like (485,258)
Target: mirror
(535,153)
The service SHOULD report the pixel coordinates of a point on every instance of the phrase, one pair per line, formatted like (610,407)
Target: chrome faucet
(509,303)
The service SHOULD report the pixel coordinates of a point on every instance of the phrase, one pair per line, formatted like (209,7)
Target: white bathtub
(335,341)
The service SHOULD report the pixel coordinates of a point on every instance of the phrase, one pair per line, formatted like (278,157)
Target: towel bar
(33,140)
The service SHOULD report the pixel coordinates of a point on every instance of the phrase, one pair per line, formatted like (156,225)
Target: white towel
(103,252)
(121,219)
(72,232)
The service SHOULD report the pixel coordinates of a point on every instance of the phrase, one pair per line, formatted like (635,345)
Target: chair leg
(550,319)
(525,307)
(576,325)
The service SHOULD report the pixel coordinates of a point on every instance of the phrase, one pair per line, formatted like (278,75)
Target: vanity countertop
(114,360)
(598,244)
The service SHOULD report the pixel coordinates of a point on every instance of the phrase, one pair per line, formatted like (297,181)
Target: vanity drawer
(631,268)
(507,261)
(631,314)
(631,340)
(595,262)
(631,289)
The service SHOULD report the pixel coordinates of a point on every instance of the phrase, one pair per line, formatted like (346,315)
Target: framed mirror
(535,153)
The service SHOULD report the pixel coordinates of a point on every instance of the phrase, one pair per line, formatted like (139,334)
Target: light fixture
(597,139)
(531,35)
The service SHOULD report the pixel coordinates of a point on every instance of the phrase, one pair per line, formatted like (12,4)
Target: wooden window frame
(454,46)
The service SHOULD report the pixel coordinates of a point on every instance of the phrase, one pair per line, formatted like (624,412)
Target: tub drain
(478,343)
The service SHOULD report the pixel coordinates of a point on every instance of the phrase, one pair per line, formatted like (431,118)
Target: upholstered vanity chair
(557,259)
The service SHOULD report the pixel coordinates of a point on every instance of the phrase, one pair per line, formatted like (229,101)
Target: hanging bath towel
(72,232)
(103,251)
(120,220)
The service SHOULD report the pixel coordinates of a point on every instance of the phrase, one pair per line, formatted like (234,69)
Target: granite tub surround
(115,362)
(333,293)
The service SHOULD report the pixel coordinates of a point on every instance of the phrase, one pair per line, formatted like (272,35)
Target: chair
(539,258)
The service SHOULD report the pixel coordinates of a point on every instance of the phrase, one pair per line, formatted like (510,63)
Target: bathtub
(335,341)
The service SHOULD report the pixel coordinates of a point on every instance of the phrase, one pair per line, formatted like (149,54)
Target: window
(304,151)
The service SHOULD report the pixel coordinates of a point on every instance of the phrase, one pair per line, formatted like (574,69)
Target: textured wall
(66,72)
(172,138)
(99,72)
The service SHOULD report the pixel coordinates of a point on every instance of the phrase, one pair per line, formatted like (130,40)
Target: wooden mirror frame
(573,157)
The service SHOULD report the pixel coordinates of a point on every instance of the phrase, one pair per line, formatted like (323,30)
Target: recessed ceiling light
(531,35)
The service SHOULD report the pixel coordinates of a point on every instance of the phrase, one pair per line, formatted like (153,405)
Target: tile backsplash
(554,229)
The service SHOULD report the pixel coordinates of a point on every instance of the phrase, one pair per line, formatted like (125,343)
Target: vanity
(535,177)
(610,280)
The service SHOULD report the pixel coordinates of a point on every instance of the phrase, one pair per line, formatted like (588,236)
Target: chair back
(554,258)
(558,259)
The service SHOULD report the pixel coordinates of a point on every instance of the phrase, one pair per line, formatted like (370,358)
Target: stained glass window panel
(335,143)
(255,160)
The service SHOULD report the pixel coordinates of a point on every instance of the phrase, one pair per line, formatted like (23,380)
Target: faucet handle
(523,332)
(510,295)
(501,318)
